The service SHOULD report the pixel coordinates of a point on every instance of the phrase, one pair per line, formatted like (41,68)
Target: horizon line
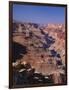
(35,22)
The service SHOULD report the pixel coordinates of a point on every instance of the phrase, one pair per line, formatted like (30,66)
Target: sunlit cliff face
(39,43)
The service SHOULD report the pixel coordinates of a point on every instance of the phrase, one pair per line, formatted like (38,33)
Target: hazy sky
(38,14)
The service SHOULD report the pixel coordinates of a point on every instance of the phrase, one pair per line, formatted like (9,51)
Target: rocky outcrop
(41,47)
